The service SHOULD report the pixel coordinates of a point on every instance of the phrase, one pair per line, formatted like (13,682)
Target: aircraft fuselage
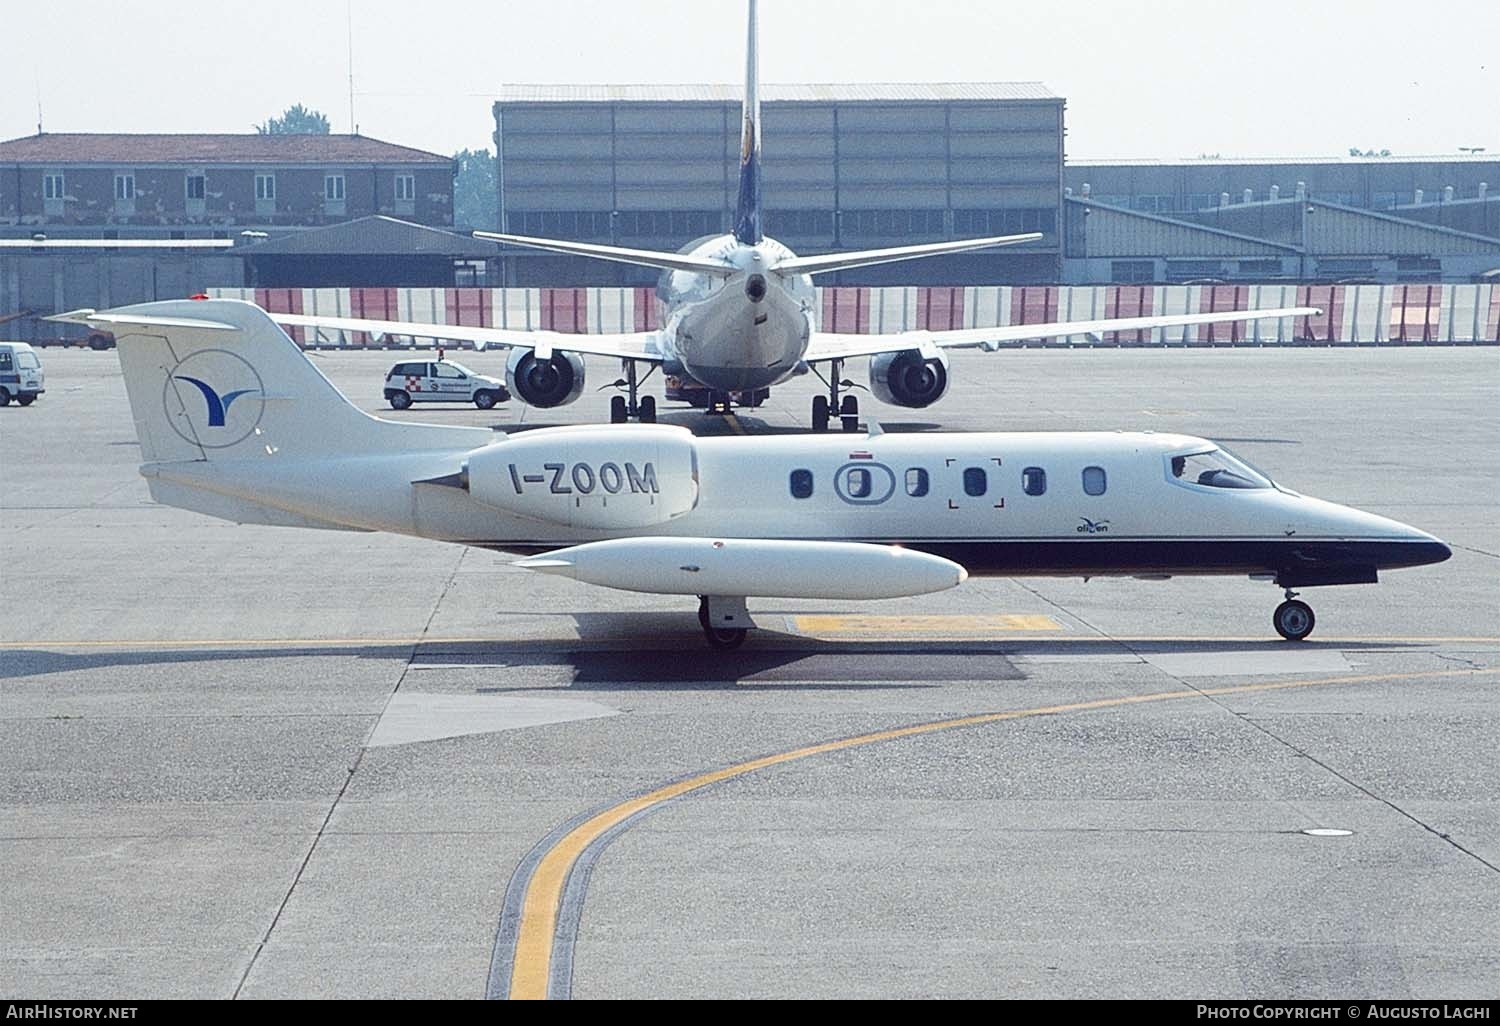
(741,332)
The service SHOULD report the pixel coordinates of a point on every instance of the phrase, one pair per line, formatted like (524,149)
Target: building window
(802,484)
(1034,481)
(406,188)
(265,187)
(333,188)
(1095,481)
(976,482)
(1126,272)
(53,187)
(196,186)
(125,187)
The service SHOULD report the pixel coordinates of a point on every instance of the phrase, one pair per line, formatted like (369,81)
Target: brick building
(181,182)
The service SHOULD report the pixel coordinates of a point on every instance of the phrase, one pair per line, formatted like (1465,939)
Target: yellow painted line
(734,424)
(532,966)
(922,626)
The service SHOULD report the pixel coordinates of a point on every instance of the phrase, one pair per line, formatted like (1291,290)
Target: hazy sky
(1143,78)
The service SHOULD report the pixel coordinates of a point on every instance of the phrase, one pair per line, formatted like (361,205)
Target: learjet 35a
(235,422)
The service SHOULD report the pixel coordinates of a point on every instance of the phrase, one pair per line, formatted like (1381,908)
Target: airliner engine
(545,384)
(615,478)
(907,379)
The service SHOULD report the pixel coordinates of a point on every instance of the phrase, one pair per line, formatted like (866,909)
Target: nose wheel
(1293,620)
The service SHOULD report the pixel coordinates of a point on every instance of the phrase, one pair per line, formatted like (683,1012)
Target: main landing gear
(725,622)
(1293,620)
(826,407)
(635,407)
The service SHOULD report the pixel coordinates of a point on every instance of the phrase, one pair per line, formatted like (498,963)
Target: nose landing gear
(1293,620)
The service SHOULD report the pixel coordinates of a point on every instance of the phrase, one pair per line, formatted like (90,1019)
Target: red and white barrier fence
(1352,314)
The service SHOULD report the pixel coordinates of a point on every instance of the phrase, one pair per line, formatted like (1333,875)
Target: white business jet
(236,423)
(740,317)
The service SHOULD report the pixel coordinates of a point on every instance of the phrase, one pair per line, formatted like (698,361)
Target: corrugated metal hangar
(846,167)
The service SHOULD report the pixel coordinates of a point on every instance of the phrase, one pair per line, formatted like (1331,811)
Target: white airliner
(740,317)
(236,423)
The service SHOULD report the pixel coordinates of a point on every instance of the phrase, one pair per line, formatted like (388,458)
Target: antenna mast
(349,14)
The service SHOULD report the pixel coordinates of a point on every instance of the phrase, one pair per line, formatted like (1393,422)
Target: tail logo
(214,399)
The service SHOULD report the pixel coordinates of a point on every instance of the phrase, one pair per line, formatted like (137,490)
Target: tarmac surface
(252,762)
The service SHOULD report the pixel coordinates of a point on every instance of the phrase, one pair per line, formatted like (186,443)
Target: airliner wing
(643,345)
(870,257)
(620,255)
(827,346)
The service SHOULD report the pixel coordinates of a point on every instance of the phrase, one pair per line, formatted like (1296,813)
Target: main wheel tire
(851,424)
(25,400)
(1294,621)
(725,641)
(850,406)
(400,400)
(619,411)
(820,413)
(485,400)
(648,410)
(4,397)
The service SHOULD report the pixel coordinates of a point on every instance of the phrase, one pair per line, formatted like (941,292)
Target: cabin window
(859,483)
(802,484)
(1034,481)
(1095,481)
(1216,469)
(976,482)
(918,484)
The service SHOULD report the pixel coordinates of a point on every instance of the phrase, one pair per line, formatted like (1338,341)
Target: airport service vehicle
(740,317)
(441,381)
(236,423)
(21,376)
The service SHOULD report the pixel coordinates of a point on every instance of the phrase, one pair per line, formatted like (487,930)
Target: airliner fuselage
(740,333)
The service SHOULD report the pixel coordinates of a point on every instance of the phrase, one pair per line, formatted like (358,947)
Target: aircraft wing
(643,345)
(827,346)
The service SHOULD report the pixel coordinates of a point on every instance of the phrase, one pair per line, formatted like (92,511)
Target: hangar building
(846,167)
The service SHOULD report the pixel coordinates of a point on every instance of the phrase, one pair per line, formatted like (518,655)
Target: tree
(298,120)
(475,201)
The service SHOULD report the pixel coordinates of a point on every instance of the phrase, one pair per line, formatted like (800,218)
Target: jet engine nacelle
(907,379)
(613,478)
(545,383)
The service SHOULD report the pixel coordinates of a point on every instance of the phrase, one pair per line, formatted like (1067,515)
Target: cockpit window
(1216,469)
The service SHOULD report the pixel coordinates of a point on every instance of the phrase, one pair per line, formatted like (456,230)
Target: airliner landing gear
(623,408)
(725,622)
(1293,620)
(825,408)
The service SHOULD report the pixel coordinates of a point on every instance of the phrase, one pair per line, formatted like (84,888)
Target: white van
(442,381)
(21,376)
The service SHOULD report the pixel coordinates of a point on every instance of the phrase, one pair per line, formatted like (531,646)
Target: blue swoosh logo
(218,408)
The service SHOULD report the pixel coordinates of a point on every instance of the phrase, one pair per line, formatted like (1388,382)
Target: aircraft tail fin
(219,381)
(747,215)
